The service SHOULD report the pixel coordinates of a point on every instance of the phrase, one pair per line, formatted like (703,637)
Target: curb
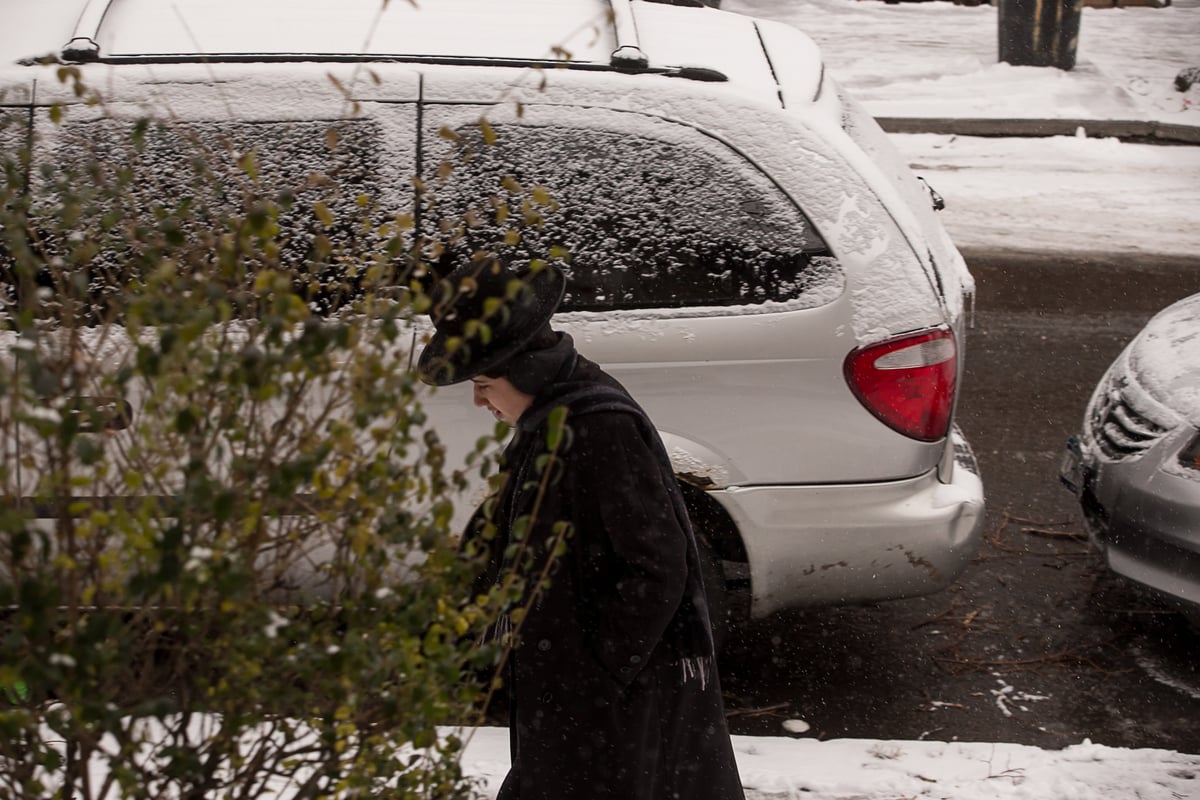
(1151,131)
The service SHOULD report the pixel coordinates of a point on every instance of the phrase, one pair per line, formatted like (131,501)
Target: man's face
(500,397)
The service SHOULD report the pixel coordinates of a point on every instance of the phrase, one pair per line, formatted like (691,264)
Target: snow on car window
(646,222)
(179,186)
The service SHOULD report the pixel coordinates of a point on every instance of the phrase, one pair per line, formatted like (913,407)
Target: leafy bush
(226,564)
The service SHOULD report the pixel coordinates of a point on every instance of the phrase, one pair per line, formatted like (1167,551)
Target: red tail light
(908,382)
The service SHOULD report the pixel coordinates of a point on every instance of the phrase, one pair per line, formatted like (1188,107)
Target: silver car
(1136,464)
(749,253)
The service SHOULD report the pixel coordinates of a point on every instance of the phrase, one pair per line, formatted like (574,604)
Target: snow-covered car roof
(631,35)
(510,29)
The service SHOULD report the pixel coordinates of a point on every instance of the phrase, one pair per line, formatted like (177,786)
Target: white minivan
(747,252)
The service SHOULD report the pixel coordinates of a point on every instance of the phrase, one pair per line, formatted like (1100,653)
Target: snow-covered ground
(782,768)
(1065,193)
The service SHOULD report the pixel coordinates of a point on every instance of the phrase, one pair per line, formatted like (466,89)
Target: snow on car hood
(1165,357)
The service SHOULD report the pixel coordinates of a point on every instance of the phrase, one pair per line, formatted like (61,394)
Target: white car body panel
(829,504)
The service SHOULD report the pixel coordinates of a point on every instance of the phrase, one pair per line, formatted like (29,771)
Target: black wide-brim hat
(484,314)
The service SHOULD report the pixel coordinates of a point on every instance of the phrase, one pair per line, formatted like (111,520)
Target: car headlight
(1189,457)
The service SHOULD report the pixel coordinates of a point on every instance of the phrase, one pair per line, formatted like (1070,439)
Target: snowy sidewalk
(781,768)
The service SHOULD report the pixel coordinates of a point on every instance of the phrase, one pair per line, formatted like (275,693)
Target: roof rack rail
(627,57)
(83,45)
(628,54)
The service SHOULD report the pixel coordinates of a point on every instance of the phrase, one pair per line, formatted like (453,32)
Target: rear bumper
(823,545)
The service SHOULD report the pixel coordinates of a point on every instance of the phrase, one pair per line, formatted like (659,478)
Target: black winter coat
(613,688)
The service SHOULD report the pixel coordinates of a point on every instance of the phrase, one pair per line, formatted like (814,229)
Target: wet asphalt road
(1034,644)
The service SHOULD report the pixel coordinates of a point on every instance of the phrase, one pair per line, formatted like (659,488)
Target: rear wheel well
(710,518)
(723,559)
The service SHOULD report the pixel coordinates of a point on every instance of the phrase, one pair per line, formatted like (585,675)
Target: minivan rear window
(308,196)
(645,222)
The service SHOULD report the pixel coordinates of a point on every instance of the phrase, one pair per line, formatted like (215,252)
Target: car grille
(1118,429)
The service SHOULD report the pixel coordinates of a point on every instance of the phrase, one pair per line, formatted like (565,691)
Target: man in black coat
(612,679)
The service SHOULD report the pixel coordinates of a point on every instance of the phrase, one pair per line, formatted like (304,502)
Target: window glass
(302,197)
(646,222)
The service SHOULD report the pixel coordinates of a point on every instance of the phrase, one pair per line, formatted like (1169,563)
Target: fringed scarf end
(699,668)
(499,631)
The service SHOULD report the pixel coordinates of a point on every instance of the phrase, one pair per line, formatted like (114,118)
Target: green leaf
(89,450)
(323,213)
(519,527)
(248,163)
(489,133)
(555,424)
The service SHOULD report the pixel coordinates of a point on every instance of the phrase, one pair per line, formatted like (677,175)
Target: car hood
(1165,358)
